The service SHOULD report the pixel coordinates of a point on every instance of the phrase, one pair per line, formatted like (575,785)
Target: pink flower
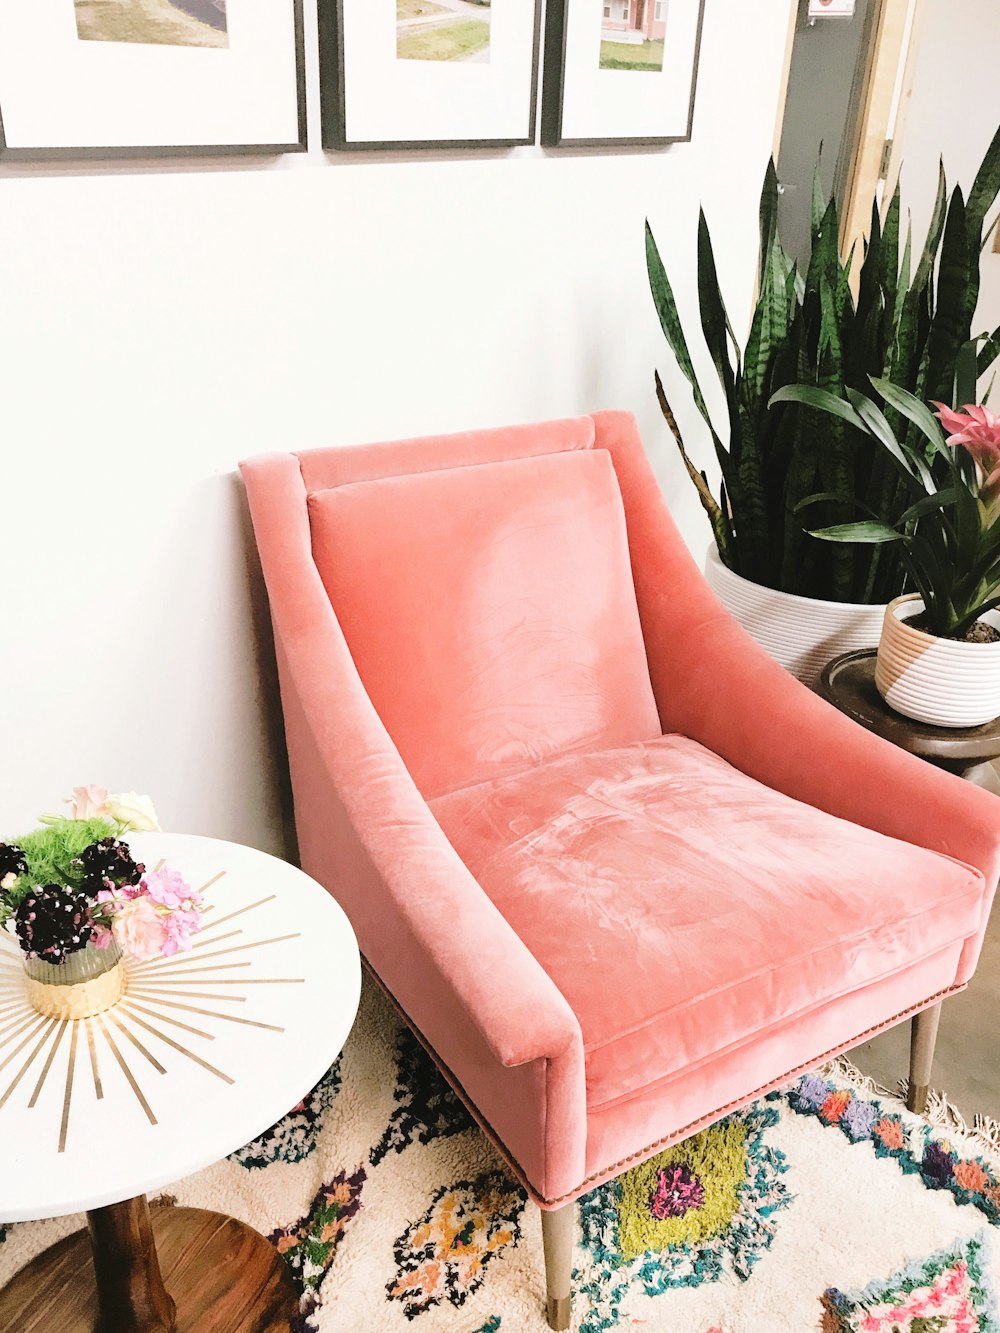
(88,802)
(140,929)
(180,925)
(167,887)
(978,430)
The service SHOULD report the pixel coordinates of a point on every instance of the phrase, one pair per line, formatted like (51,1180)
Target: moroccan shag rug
(827,1207)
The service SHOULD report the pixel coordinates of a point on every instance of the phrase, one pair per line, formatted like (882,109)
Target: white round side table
(205,1050)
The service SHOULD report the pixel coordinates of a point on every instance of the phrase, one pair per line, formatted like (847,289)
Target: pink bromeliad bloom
(977,429)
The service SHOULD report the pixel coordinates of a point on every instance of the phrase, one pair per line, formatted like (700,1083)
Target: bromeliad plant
(907,325)
(948,536)
(74,882)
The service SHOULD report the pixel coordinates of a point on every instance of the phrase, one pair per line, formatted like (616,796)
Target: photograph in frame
(443,30)
(153,22)
(410,74)
(138,78)
(621,72)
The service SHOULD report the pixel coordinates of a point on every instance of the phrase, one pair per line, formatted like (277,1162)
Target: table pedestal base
(223,1277)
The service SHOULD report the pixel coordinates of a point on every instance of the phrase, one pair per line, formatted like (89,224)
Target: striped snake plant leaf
(925,268)
(952,314)
(985,188)
(888,270)
(714,320)
(966,374)
(771,322)
(903,280)
(666,309)
(753,540)
(767,214)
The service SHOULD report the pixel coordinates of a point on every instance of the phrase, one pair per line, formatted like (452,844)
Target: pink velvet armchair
(618,870)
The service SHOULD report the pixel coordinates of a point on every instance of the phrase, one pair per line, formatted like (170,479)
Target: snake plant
(909,324)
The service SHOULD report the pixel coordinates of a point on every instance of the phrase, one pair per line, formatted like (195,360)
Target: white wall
(159,322)
(953,114)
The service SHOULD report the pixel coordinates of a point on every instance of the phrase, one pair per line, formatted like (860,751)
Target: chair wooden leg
(557,1241)
(923,1035)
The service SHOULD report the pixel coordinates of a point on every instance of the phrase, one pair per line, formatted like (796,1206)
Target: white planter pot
(802,634)
(944,682)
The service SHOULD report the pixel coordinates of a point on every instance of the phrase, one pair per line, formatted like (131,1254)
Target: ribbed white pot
(945,682)
(802,634)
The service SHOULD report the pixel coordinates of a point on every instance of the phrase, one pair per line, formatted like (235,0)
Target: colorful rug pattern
(828,1207)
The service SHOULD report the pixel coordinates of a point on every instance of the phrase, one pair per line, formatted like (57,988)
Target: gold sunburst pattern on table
(181,1003)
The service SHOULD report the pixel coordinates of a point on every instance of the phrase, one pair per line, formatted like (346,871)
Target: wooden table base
(223,1276)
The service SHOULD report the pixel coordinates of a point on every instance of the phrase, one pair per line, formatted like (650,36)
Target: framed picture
(150,78)
(428,73)
(620,71)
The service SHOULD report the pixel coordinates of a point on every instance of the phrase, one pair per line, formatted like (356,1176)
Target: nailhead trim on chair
(677,1136)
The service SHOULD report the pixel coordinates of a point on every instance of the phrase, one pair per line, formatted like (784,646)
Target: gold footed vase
(88,982)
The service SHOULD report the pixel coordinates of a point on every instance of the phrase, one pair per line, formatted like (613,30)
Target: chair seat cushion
(682,908)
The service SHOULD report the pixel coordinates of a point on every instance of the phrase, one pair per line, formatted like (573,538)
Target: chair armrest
(425,903)
(713,682)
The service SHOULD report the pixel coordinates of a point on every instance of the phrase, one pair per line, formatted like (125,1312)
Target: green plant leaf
(714,320)
(768,218)
(818,496)
(914,410)
(866,531)
(888,272)
(913,467)
(957,285)
(966,374)
(771,320)
(925,268)
(985,188)
(929,504)
(666,309)
(811,396)
(825,259)
(970,618)
(903,281)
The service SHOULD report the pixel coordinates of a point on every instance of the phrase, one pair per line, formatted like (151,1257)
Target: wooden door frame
(893,56)
(884,105)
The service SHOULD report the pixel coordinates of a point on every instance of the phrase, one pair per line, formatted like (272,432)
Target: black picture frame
(333,96)
(557,19)
(13,152)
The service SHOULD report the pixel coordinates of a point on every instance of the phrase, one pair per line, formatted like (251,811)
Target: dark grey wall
(827,74)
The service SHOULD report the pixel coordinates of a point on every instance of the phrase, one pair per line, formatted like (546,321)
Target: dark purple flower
(53,921)
(108,864)
(678,1190)
(12,864)
(938,1167)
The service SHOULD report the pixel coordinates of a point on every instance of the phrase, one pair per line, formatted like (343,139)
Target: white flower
(133,812)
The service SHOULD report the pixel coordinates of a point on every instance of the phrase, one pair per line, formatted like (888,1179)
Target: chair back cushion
(490,611)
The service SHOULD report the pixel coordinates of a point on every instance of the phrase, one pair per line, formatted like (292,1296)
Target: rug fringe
(984,1133)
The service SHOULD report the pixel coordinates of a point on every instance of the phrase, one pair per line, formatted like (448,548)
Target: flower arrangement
(74,883)
(948,536)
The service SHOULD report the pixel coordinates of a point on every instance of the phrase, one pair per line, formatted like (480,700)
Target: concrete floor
(967,1056)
